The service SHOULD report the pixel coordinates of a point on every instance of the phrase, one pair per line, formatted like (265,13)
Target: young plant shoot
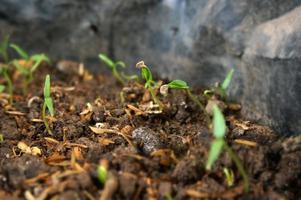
(28,65)
(150,84)
(219,143)
(48,103)
(179,84)
(4,73)
(3,49)
(221,89)
(113,66)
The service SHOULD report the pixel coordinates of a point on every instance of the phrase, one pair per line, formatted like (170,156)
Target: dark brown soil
(163,158)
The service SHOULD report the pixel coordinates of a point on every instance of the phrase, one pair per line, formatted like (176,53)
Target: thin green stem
(45,120)
(154,97)
(239,166)
(118,77)
(10,86)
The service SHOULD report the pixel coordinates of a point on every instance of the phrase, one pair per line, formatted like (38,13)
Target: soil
(150,155)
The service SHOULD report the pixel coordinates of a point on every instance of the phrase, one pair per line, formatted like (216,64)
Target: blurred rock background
(194,40)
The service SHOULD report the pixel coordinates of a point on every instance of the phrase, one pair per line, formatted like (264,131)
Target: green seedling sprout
(27,71)
(1,138)
(4,47)
(229,176)
(219,143)
(48,103)
(221,89)
(150,84)
(5,74)
(102,171)
(113,66)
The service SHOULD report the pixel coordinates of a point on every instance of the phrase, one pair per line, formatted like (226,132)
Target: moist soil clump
(150,154)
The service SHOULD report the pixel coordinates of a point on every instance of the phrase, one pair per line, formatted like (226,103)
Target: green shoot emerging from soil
(48,103)
(1,138)
(179,84)
(229,176)
(150,84)
(113,66)
(219,143)
(29,64)
(6,76)
(4,47)
(221,89)
(102,172)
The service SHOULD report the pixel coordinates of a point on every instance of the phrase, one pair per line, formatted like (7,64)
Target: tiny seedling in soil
(229,176)
(28,65)
(48,103)
(221,89)
(4,72)
(150,84)
(219,143)
(113,66)
(102,172)
(1,138)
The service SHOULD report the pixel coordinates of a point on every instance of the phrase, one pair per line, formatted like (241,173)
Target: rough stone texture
(194,40)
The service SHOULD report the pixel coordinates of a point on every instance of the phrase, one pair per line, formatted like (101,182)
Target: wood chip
(197,194)
(245,142)
(15,113)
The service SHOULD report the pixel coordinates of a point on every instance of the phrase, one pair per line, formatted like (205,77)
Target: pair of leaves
(47,98)
(219,130)
(110,63)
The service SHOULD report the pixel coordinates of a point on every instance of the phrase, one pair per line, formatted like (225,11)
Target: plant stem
(239,166)
(45,120)
(154,97)
(10,87)
(117,76)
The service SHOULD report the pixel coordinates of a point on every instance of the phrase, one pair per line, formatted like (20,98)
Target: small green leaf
(20,51)
(227,80)
(178,84)
(49,104)
(215,150)
(219,124)
(2,88)
(47,87)
(3,48)
(107,60)
(102,174)
(147,76)
(38,58)
(121,64)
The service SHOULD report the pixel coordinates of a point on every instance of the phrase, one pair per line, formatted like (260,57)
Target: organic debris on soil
(150,154)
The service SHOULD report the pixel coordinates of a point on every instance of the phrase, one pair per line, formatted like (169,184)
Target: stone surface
(194,40)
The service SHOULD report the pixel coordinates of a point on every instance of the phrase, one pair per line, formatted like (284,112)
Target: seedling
(113,66)
(28,65)
(221,89)
(219,143)
(5,74)
(150,84)
(1,138)
(102,172)
(4,47)
(179,84)
(48,103)
(229,176)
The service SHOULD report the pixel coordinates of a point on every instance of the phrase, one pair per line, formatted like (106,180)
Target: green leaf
(3,48)
(107,60)
(215,150)
(178,84)
(147,76)
(121,64)
(49,104)
(38,58)
(219,124)
(227,80)
(47,87)
(102,174)
(20,51)
(2,88)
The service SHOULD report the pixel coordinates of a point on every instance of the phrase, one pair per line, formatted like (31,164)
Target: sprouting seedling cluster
(150,84)
(48,103)
(221,89)
(219,143)
(28,65)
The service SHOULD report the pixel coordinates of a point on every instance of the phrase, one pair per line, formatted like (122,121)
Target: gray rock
(147,140)
(194,40)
